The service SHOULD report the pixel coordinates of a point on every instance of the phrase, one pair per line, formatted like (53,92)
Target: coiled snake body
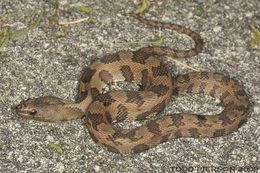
(156,88)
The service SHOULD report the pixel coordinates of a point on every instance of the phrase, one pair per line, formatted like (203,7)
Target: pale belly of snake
(156,87)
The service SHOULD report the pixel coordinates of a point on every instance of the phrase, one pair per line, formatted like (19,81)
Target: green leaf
(198,10)
(145,5)
(256,40)
(83,10)
(4,36)
(158,41)
(60,34)
(56,147)
(2,144)
(220,104)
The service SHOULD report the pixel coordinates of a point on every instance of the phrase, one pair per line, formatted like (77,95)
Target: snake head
(50,109)
(29,109)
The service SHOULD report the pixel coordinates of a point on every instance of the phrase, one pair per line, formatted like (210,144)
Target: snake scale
(156,87)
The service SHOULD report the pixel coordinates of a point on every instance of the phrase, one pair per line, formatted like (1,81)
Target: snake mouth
(23,111)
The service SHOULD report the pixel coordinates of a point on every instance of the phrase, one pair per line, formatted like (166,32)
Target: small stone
(217,29)
(249,14)
(96,168)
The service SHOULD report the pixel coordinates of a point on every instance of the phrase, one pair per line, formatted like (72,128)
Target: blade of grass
(4,36)
(170,58)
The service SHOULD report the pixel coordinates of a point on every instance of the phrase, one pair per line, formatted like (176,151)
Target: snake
(156,86)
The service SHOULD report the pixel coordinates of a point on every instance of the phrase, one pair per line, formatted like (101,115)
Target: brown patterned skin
(156,88)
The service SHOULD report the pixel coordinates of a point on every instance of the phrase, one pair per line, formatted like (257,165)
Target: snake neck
(81,107)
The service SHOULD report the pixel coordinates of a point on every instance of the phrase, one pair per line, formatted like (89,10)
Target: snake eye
(33,112)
